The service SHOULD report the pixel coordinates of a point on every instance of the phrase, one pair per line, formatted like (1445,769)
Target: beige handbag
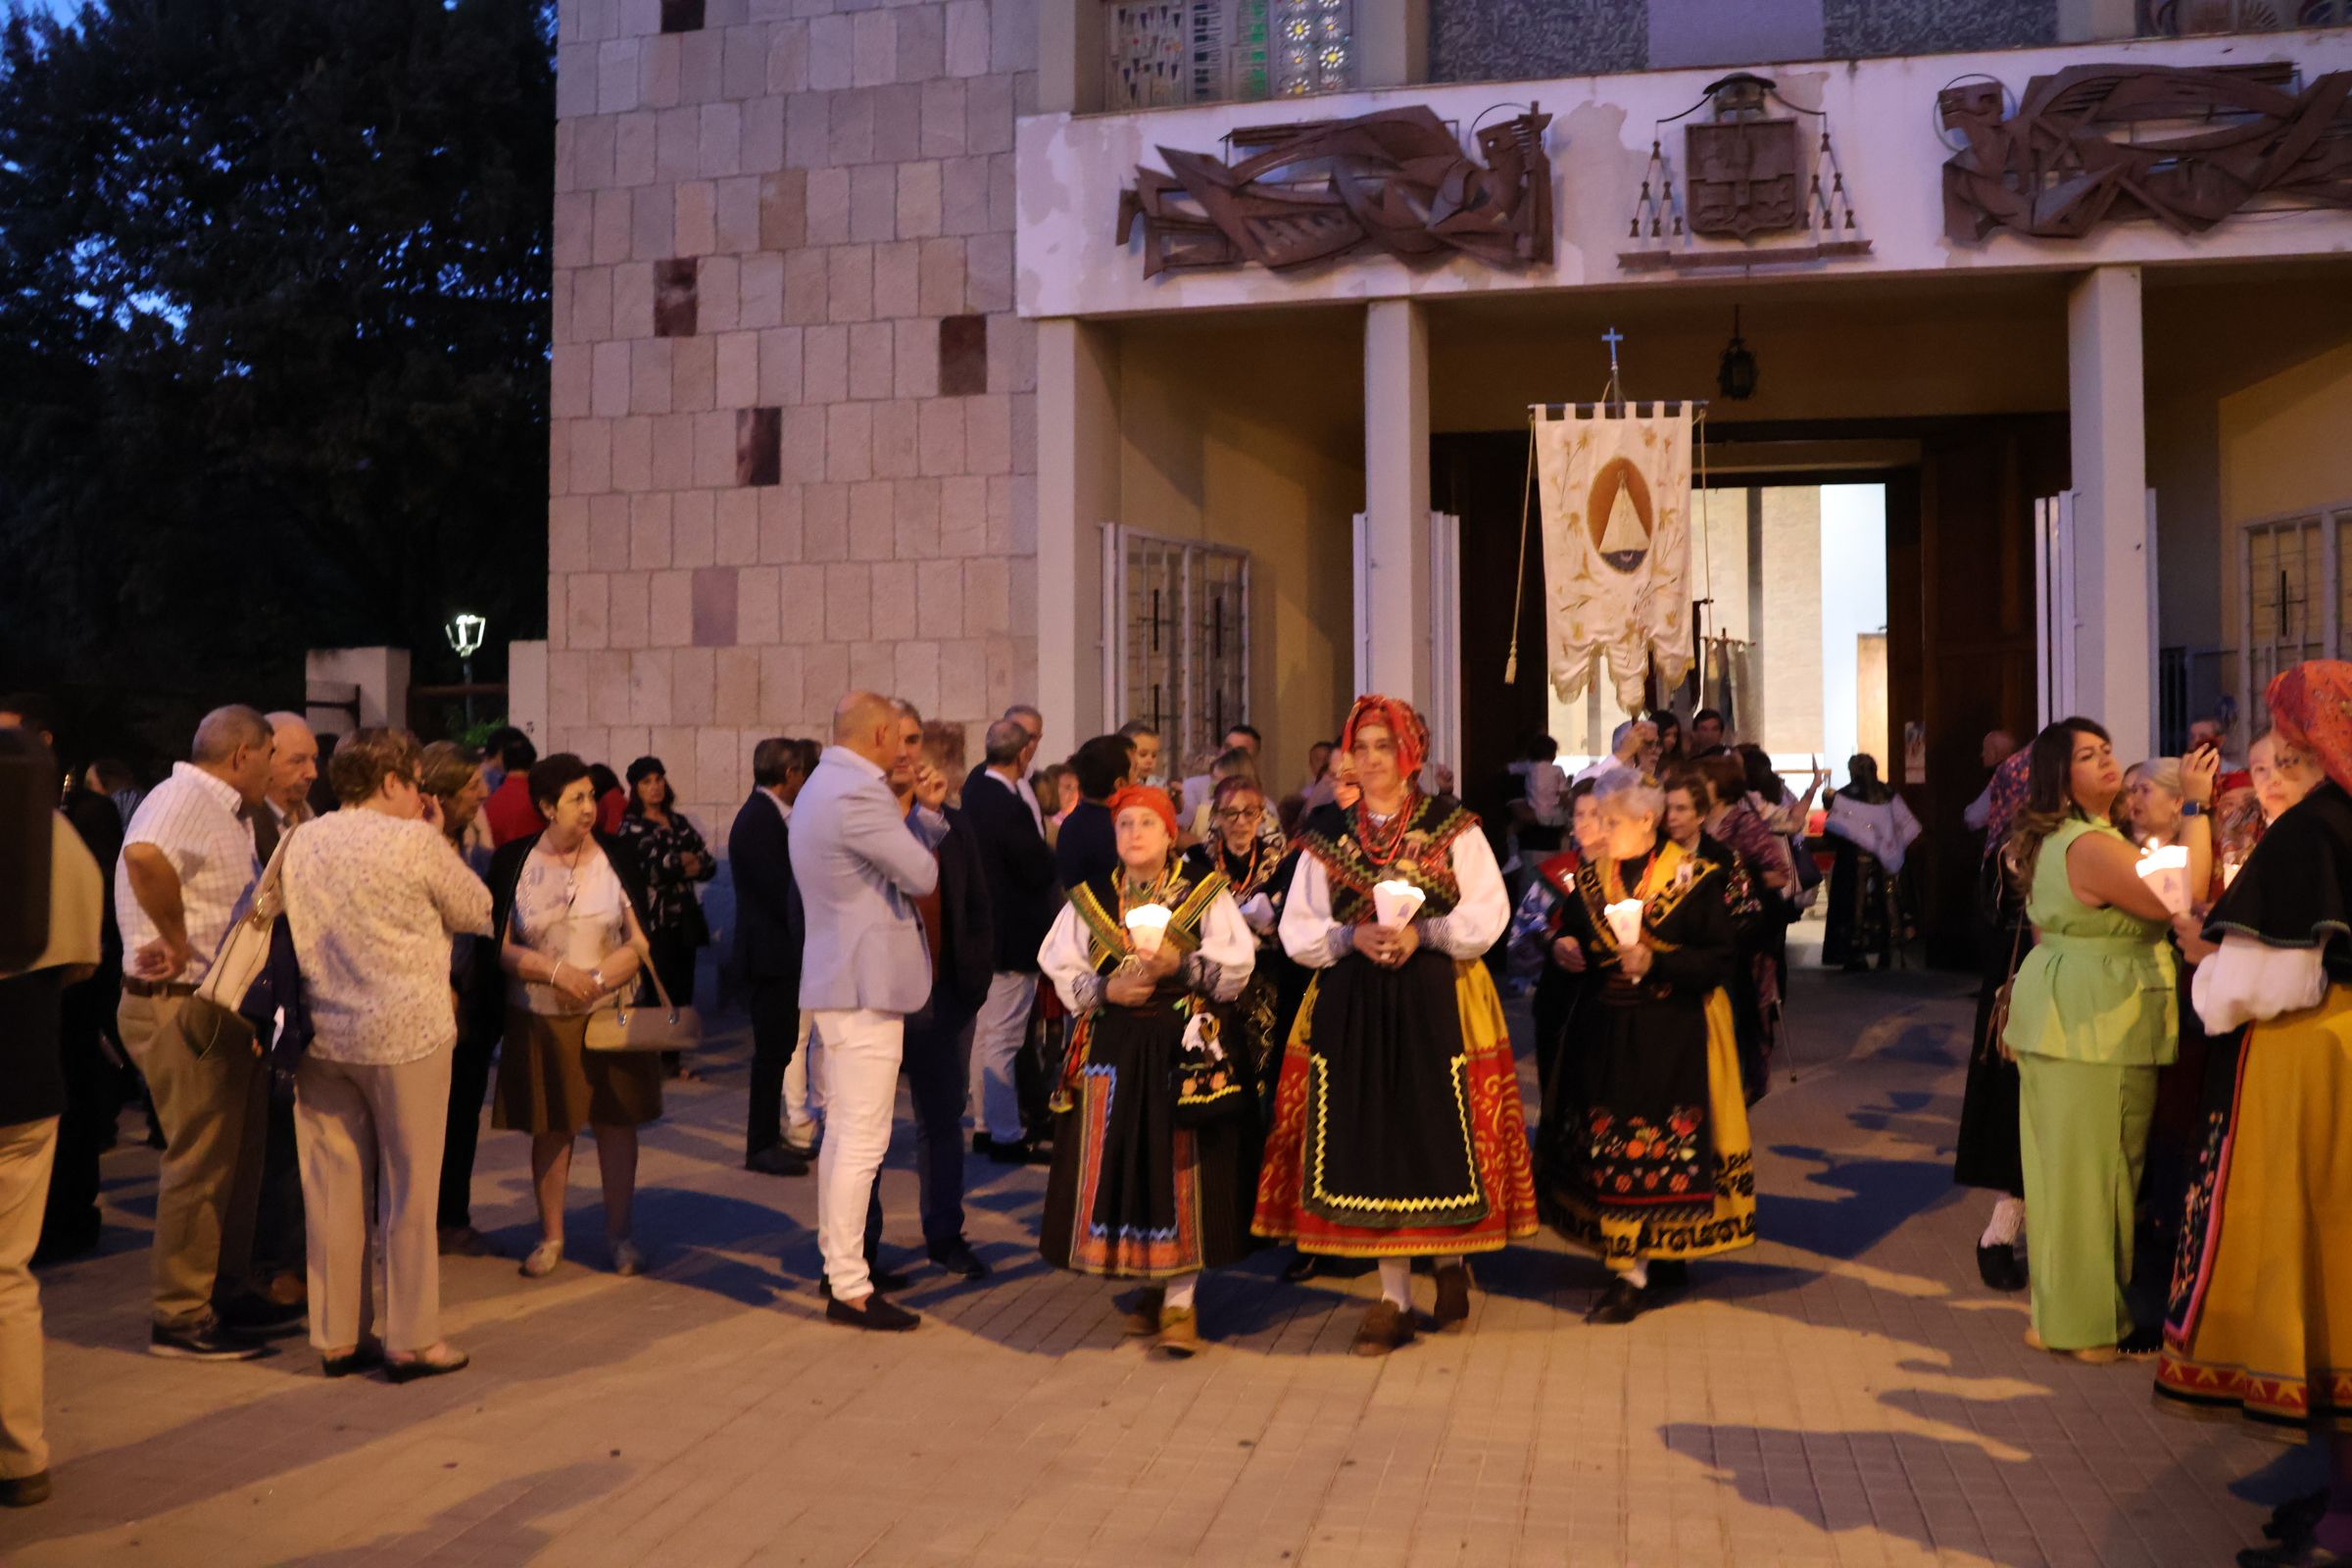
(622,1027)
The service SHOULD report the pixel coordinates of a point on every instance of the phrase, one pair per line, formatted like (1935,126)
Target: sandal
(424,1364)
(542,1261)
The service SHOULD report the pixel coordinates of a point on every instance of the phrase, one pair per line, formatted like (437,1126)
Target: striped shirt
(196,820)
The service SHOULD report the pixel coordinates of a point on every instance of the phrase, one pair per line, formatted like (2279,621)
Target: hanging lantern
(1737,375)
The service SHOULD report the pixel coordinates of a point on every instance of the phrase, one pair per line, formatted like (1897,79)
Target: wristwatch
(2190,809)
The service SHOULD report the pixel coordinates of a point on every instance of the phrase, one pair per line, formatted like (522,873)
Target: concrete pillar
(1077,492)
(1069,56)
(1391,42)
(2115,653)
(1396,498)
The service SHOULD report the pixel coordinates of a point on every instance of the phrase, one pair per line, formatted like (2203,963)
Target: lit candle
(1148,927)
(1395,903)
(1624,921)
(2165,870)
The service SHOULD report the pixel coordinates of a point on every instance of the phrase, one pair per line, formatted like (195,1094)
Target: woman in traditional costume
(1536,931)
(1649,1165)
(2091,1018)
(1252,864)
(1865,916)
(1987,1153)
(2260,1319)
(1154,1164)
(1398,1126)
(1688,804)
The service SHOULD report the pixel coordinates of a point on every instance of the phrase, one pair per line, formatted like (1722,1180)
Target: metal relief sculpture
(1397,182)
(1745,175)
(2077,152)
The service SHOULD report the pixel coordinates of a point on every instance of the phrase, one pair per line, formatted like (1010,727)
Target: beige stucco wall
(2287,442)
(1249,434)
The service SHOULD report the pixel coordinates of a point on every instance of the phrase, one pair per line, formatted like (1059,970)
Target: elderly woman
(1398,1128)
(450,775)
(2091,1018)
(2260,1320)
(1251,864)
(1141,1187)
(374,892)
(1536,935)
(1649,1162)
(571,924)
(672,858)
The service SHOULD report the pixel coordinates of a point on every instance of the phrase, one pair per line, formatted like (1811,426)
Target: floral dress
(674,923)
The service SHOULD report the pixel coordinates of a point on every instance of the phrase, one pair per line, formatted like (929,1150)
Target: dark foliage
(273,328)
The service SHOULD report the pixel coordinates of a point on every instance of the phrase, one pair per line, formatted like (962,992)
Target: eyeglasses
(1241,813)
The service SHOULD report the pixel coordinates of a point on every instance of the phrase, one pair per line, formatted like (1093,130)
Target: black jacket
(1089,845)
(769,926)
(968,955)
(506,870)
(1024,886)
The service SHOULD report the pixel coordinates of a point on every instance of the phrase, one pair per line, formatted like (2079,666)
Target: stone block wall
(794,416)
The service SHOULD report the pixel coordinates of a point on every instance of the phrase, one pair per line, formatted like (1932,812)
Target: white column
(2114,655)
(1396,498)
(1077,492)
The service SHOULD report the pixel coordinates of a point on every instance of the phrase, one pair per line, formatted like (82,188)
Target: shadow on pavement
(491,1526)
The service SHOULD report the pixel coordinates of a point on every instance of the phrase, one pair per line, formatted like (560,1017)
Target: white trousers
(370,1139)
(996,1036)
(803,1081)
(862,1051)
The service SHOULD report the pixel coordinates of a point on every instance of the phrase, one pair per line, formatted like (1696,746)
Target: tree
(273,334)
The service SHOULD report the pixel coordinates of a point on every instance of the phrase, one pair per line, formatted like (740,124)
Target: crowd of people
(1224,1016)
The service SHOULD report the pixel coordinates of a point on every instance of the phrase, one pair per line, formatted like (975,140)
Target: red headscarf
(1151,799)
(1404,725)
(2311,705)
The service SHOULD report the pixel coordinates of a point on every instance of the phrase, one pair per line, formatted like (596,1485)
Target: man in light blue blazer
(861,866)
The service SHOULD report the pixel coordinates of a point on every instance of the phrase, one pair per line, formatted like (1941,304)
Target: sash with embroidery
(1423,856)
(1673,874)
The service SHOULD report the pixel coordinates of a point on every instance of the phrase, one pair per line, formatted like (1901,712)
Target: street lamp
(466,633)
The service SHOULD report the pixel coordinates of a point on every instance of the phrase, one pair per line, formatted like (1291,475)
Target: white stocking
(1396,1281)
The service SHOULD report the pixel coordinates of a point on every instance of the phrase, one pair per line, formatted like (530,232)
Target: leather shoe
(1179,1335)
(1016,1152)
(875,1315)
(2297,1517)
(257,1317)
(957,1257)
(1386,1327)
(880,1278)
(366,1358)
(1454,1298)
(775,1161)
(207,1344)
(410,1368)
(1997,1267)
(22,1491)
(1621,1302)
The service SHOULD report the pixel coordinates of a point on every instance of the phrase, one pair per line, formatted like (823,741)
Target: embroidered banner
(1616,495)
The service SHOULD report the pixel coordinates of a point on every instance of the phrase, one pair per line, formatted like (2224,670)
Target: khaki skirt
(549,1082)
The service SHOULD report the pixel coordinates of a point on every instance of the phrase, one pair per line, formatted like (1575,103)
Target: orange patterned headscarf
(1402,723)
(1143,794)
(2312,706)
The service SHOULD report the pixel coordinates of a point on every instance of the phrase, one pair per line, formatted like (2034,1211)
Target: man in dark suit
(1087,847)
(1024,893)
(769,933)
(959,928)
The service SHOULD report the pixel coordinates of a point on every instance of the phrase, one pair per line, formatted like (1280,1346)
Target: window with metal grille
(1178,653)
(2294,598)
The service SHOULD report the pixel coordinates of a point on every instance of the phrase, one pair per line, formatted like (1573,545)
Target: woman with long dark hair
(673,858)
(2091,1018)
(1985,1154)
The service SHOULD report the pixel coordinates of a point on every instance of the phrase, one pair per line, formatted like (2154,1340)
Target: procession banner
(1615,488)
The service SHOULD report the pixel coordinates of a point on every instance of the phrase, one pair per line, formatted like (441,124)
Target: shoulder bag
(211,1019)
(624,1026)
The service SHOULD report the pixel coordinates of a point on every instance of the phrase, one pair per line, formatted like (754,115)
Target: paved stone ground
(1843,1394)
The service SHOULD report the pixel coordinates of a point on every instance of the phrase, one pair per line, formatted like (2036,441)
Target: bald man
(859,865)
(187,872)
(293,769)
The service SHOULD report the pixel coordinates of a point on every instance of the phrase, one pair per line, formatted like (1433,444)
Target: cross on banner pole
(1616,390)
